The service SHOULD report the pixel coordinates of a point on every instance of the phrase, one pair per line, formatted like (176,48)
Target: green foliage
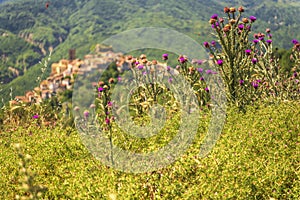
(250,161)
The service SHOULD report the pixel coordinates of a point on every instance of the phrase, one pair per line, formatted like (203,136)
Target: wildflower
(86,113)
(200,70)
(241,26)
(100,83)
(255,84)
(206,44)
(213,43)
(206,89)
(254,60)
(221,20)
(214,16)
(100,89)
(109,104)
(92,105)
(168,68)
(232,10)
(248,27)
(76,108)
(119,79)
(107,121)
(255,41)
(165,56)
(248,51)
(245,20)
(241,9)
(137,62)
(241,82)
(294,41)
(177,67)
(35,116)
(201,79)
(270,35)
(170,80)
(295,74)
(111,80)
(269,41)
(268,30)
(212,21)
(252,18)
(226,10)
(220,62)
(182,59)
(208,71)
(140,67)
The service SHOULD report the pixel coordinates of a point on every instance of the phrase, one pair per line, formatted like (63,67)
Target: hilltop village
(64,72)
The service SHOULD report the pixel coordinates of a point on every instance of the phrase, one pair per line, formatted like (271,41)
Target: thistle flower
(241,82)
(168,68)
(76,108)
(86,113)
(109,104)
(140,67)
(294,41)
(165,56)
(100,89)
(252,19)
(107,121)
(111,80)
(35,116)
(201,79)
(206,44)
(255,84)
(248,52)
(241,26)
(255,41)
(182,59)
(268,30)
(269,41)
(220,62)
(119,79)
(208,71)
(214,16)
(206,89)
(200,70)
(221,20)
(254,60)
(170,80)
(213,43)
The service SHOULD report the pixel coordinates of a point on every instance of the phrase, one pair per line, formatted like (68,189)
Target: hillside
(34,30)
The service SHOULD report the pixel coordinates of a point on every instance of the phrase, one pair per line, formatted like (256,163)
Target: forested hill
(28,30)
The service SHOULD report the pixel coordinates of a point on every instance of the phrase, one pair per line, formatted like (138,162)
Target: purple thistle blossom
(170,80)
(182,59)
(248,51)
(206,89)
(119,78)
(255,84)
(140,67)
(107,121)
(168,68)
(241,26)
(201,79)
(214,16)
(165,56)
(100,89)
(252,18)
(255,41)
(241,82)
(294,41)
(208,71)
(213,43)
(35,116)
(86,113)
(269,41)
(206,44)
(220,62)
(200,70)
(254,60)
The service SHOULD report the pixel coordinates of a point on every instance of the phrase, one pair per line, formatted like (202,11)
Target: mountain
(29,30)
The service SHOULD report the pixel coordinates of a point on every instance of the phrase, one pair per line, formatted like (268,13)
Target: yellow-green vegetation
(257,157)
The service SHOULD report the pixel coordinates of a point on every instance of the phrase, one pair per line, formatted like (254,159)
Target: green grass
(256,157)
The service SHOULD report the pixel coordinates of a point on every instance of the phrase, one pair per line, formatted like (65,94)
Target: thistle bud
(241,9)
(226,10)
(232,10)
(232,21)
(212,21)
(245,20)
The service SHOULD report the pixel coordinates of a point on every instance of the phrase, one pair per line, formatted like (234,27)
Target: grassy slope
(257,157)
